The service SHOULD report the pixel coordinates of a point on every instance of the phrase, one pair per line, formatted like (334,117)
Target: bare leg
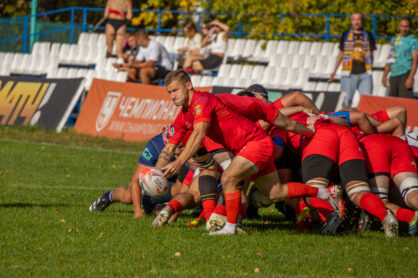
(404,181)
(197,66)
(122,194)
(120,37)
(146,75)
(110,36)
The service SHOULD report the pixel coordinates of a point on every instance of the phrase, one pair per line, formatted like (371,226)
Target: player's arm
(393,127)
(166,155)
(136,192)
(337,64)
(106,11)
(284,122)
(361,120)
(288,111)
(129,12)
(299,99)
(385,75)
(195,140)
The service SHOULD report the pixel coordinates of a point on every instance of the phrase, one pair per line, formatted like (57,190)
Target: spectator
(356,53)
(402,62)
(216,41)
(194,40)
(152,62)
(116,12)
(130,50)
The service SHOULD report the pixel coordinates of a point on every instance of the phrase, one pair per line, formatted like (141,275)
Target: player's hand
(139,214)
(409,82)
(307,110)
(311,120)
(171,169)
(385,81)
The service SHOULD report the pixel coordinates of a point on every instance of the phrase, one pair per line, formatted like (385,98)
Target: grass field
(47,182)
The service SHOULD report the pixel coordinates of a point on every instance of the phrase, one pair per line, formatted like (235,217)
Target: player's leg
(197,65)
(407,182)
(120,37)
(398,112)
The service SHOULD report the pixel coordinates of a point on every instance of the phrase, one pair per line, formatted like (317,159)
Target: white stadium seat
(238,48)
(55,49)
(206,81)
(246,72)
(235,71)
(316,48)
(196,80)
(304,48)
(282,47)
(268,76)
(380,61)
(293,47)
(224,70)
(62,73)
(257,73)
(309,86)
(72,73)
(249,48)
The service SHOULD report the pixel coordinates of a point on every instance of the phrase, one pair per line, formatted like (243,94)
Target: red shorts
(278,103)
(189,177)
(381,116)
(387,154)
(333,141)
(211,145)
(261,153)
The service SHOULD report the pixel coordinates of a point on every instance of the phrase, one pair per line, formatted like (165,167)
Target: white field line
(55,187)
(67,146)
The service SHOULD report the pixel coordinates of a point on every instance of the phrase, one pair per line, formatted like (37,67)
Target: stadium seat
(72,73)
(327,49)
(4,70)
(286,61)
(89,78)
(179,42)
(35,64)
(320,66)
(356,99)
(274,60)
(7,59)
(196,80)
(62,73)
(101,40)
(55,49)
(249,48)
(309,86)
(297,62)
(257,73)
(321,87)
(71,57)
(109,65)
(237,49)
(218,81)
(224,70)
(316,48)
(228,82)
(334,87)
(278,79)
(246,72)
(335,49)
(260,49)
(309,62)
(169,43)
(239,83)
(380,61)
(290,80)
(206,81)
(302,78)
(282,47)
(235,71)
(304,48)
(293,47)
(268,76)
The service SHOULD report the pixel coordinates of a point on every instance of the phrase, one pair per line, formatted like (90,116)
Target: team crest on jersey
(198,110)
(146,154)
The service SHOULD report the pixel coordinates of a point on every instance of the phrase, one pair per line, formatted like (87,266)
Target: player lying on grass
(253,148)
(133,194)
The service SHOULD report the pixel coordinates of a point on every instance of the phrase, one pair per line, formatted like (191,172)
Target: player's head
(404,26)
(178,85)
(357,20)
(142,38)
(131,40)
(259,91)
(245,93)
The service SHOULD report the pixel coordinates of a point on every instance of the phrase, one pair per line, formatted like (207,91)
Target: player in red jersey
(252,147)
(389,158)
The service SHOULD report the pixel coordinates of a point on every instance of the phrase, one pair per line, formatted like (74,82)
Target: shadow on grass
(29,205)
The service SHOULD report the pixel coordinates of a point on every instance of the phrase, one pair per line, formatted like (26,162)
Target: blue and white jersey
(150,154)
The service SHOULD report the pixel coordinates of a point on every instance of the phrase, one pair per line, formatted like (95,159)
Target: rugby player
(253,148)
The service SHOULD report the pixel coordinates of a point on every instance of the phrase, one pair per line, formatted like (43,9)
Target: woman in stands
(117,12)
(216,43)
(194,40)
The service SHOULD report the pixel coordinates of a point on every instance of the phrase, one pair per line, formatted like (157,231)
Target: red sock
(175,206)
(373,205)
(233,202)
(243,211)
(208,207)
(297,190)
(323,206)
(405,215)
(220,209)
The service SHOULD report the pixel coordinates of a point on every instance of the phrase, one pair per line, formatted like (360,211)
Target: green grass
(47,230)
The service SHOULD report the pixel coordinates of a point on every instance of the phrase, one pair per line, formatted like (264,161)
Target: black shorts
(317,166)
(160,72)
(211,62)
(116,23)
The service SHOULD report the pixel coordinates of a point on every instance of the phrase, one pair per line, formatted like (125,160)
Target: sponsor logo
(198,110)
(106,112)
(20,100)
(146,154)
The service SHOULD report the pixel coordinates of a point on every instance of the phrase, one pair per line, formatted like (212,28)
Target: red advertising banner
(128,111)
(371,104)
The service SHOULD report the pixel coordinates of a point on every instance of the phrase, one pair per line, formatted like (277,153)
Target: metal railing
(84,27)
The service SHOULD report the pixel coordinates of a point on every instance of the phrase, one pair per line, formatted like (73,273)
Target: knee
(412,200)
(229,181)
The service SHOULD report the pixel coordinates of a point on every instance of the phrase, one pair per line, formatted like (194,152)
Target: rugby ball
(153,183)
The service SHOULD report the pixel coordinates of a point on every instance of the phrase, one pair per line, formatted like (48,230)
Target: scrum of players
(226,153)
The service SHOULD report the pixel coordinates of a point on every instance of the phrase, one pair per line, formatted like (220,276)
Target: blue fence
(25,36)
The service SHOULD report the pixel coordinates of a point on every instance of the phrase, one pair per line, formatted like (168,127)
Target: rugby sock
(404,215)
(323,206)
(243,211)
(297,190)
(207,188)
(208,208)
(220,209)
(233,203)
(175,206)
(373,205)
(108,196)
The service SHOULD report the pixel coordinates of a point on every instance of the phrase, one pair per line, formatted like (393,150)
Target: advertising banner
(128,111)
(28,101)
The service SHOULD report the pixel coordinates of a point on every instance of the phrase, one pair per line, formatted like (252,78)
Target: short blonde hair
(177,75)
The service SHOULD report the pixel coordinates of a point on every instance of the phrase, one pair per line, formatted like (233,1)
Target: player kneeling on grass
(133,194)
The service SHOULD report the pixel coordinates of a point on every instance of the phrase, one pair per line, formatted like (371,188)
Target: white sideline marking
(56,187)
(68,146)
